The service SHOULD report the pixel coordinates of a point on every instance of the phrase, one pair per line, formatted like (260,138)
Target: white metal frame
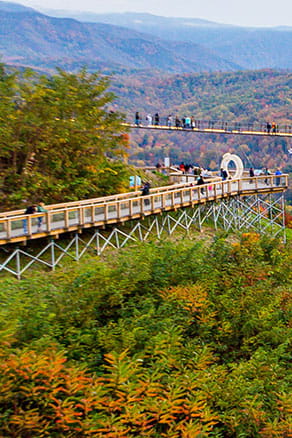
(263,213)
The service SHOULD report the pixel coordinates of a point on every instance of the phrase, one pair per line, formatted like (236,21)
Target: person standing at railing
(251,174)
(187,122)
(30,210)
(40,208)
(278,179)
(223,174)
(146,192)
(200,182)
(169,120)
(182,167)
(269,127)
(156,119)
(137,118)
(149,119)
(266,172)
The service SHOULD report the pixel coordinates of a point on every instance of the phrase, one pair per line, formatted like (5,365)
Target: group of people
(185,122)
(32,209)
(151,120)
(272,128)
(193,170)
(265,171)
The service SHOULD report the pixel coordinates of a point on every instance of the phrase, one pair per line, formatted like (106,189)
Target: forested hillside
(29,38)
(249,47)
(179,340)
(246,97)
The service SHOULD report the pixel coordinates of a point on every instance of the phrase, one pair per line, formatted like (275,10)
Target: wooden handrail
(92,201)
(113,209)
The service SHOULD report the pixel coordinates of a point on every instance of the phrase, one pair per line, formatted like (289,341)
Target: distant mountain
(15,7)
(131,19)
(251,48)
(28,37)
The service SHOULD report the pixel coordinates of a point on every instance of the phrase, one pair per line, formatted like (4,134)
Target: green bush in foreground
(171,340)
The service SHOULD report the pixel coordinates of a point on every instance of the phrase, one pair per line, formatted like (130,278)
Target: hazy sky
(241,12)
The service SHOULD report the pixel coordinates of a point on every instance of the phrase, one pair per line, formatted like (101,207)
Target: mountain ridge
(249,47)
(41,39)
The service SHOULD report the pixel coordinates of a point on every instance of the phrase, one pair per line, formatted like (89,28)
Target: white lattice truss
(260,213)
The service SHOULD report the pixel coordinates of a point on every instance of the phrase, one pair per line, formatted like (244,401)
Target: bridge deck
(215,130)
(72,216)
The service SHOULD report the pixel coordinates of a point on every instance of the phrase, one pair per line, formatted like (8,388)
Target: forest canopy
(177,339)
(58,139)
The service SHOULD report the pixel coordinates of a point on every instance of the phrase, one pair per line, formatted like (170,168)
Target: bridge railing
(93,201)
(218,125)
(70,217)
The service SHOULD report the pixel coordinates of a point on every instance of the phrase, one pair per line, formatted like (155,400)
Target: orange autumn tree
(41,395)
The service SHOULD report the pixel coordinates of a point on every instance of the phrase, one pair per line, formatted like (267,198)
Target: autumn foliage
(176,340)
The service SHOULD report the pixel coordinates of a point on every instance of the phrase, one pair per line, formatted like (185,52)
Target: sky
(237,12)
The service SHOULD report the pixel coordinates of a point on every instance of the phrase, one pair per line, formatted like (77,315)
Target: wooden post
(163,200)
(172,199)
(118,210)
(66,218)
(239,185)
(8,228)
(141,205)
(181,196)
(48,221)
(92,214)
(81,215)
(229,186)
(199,193)
(130,208)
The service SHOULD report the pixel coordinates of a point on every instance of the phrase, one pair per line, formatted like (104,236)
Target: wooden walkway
(98,212)
(214,130)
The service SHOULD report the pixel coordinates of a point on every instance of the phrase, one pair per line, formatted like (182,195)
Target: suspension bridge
(235,204)
(217,127)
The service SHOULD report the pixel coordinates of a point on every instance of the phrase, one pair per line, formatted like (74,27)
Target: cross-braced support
(261,213)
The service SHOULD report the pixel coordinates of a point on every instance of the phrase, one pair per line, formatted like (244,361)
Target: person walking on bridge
(200,182)
(223,174)
(40,208)
(30,210)
(146,192)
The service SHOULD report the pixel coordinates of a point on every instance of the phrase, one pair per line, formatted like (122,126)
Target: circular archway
(227,159)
